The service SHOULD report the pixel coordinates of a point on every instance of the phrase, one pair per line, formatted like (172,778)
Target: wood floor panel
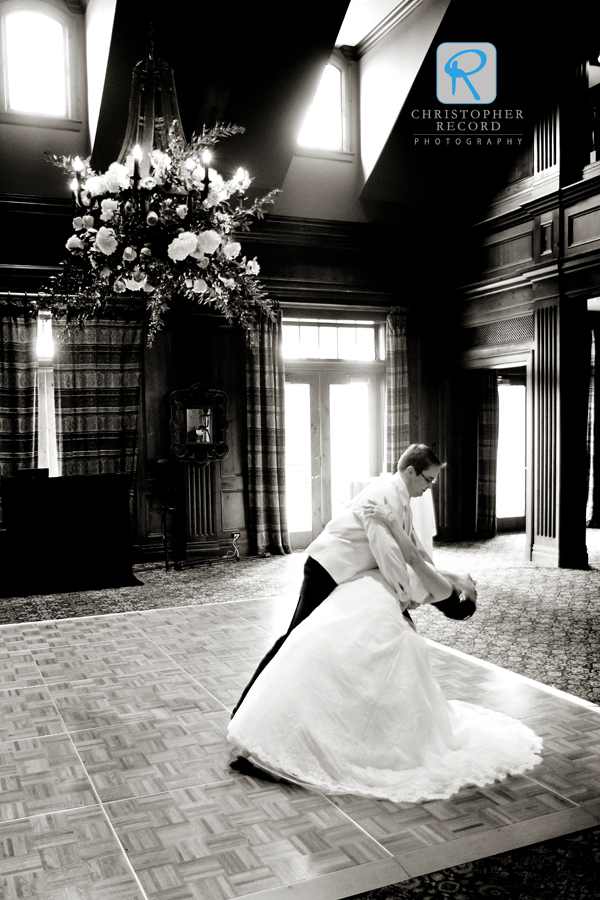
(28,711)
(42,775)
(510,837)
(134,759)
(71,855)
(119,722)
(402,827)
(108,700)
(81,663)
(18,668)
(236,838)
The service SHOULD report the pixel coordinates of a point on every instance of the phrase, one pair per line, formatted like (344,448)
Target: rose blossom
(78,223)
(252,267)
(129,254)
(199,286)
(74,243)
(219,190)
(231,250)
(208,241)
(109,207)
(116,178)
(137,281)
(88,221)
(228,282)
(96,185)
(148,184)
(119,286)
(214,198)
(182,210)
(106,241)
(182,246)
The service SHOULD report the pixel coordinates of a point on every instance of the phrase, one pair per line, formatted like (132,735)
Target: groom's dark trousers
(316,586)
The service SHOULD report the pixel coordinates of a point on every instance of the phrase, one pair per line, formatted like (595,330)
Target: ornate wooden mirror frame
(199,425)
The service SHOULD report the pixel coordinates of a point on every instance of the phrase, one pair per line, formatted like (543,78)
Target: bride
(349,704)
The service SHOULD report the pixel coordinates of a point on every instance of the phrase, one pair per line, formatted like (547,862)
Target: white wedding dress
(349,705)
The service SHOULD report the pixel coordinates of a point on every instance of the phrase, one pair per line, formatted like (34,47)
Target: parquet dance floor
(115,783)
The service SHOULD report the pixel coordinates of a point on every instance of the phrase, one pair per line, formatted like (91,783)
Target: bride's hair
(420,456)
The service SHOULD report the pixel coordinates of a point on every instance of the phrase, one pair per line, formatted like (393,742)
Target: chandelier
(160,223)
(153,111)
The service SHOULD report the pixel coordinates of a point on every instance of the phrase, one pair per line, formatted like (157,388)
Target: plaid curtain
(18,393)
(488,414)
(97,387)
(396,379)
(265,404)
(592,514)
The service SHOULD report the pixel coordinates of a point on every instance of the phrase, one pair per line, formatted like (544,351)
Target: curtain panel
(18,394)
(265,406)
(487,452)
(396,380)
(97,388)
(592,514)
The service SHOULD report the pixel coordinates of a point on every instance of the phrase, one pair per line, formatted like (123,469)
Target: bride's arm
(438,586)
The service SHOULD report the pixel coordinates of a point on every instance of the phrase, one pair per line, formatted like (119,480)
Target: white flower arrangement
(155,236)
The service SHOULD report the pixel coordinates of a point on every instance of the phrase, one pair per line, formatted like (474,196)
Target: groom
(354,542)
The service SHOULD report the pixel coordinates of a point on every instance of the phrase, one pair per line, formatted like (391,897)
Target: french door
(333,443)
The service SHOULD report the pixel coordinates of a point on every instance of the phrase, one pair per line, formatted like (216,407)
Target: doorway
(511,473)
(333,444)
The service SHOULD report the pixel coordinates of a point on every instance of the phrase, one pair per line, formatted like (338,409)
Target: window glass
(35,64)
(329,341)
(45,343)
(309,341)
(323,125)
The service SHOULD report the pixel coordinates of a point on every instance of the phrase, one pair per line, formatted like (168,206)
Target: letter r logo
(466,72)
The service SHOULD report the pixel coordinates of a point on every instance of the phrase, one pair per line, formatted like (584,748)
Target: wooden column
(558,483)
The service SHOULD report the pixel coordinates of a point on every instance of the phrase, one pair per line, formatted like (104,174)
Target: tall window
(324,124)
(40,69)
(36,71)
(47,449)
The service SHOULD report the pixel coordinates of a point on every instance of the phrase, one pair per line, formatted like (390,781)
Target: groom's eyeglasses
(428,480)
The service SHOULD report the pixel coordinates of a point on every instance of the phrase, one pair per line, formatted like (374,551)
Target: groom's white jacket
(351,543)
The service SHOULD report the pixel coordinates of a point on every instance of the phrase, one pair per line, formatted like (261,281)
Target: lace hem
(439,779)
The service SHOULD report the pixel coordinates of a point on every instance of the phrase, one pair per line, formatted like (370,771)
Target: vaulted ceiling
(256,65)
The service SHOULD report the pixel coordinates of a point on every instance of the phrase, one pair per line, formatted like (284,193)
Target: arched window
(36,64)
(328,129)
(324,125)
(38,72)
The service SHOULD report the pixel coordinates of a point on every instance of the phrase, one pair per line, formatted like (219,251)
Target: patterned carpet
(542,623)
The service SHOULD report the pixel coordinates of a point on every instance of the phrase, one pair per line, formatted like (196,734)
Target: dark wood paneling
(510,250)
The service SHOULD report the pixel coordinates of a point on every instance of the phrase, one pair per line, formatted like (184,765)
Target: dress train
(349,705)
